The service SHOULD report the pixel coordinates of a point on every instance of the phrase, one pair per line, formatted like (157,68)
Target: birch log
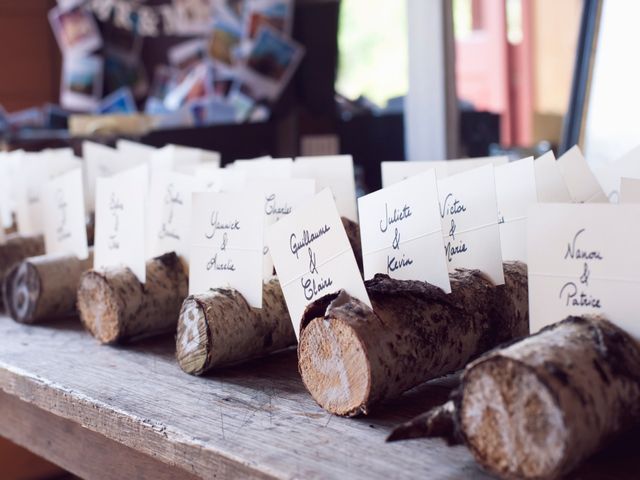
(219,328)
(351,356)
(44,287)
(17,248)
(114,306)
(539,407)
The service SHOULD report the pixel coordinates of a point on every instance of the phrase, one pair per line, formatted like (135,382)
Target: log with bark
(44,287)
(537,408)
(353,234)
(16,248)
(219,328)
(114,306)
(351,356)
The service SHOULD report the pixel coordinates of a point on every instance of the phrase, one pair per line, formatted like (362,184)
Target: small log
(539,407)
(44,287)
(114,306)
(353,234)
(219,328)
(16,248)
(352,357)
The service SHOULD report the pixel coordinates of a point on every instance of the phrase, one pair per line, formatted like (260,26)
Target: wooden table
(130,412)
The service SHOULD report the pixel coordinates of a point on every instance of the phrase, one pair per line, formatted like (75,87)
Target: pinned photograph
(193,16)
(81,85)
(196,85)
(212,110)
(271,63)
(231,10)
(75,30)
(276,14)
(223,44)
(120,101)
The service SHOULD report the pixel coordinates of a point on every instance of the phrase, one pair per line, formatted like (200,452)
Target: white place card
(65,229)
(394,172)
(334,172)
(630,190)
(581,182)
(6,190)
(401,232)
(103,161)
(169,213)
(280,198)
(265,167)
(610,174)
(227,232)
(135,151)
(469,214)
(182,159)
(515,191)
(221,180)
(32,174)
(120,221)
(313,256)
(581,262)
(550,185)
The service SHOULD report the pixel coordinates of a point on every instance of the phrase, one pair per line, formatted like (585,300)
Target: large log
(539,407)
(43,287)
(114,306)
(219,328)
(351,356)
(16,248)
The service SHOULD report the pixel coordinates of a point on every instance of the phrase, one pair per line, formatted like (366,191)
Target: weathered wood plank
(256,420)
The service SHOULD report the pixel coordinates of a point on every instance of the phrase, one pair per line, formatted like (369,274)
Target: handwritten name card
(32,174)
(274,168)
(334,172)
(394,172)
(65,228)
(402,234)
(120,221)
(221,180)
(313,256)
(182,159)
(280,197)
(580,180)
(169,213)
(226,244)
(582,261)
(515,191)
(469,215)
(550,185)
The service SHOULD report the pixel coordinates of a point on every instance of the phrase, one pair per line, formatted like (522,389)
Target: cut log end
(193,342)
(21,292)
(334,366)
(98,307)
(512,434)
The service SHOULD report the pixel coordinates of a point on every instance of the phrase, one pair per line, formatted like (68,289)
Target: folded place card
(394,172)
(280,198)
(32,174)
(275,168)
(610,174)
(334,172)
(630,190)
(169,213)
(550,186)
(581,182)
(65,229)
(221,180)
(182,159)
(469,215)
(401,232)
(135,151)
(581,262)
(227,232)
(515,192)
(313,256)
(120,221)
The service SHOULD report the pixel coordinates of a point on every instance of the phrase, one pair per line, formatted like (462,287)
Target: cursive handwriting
(307,239)
(453,208)
(272,208)
(397,216)
(61,232)
(394,264)
(311,287)
(577,298)
(215,264)
(221,225)
(115,207)
(453,250)
(576,253)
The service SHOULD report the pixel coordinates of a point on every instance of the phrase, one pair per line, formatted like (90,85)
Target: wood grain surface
(251,421)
